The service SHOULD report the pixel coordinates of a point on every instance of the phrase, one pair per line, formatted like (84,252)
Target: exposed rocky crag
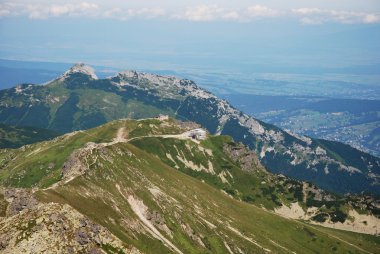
(241,154)
(34,227)
(19,200)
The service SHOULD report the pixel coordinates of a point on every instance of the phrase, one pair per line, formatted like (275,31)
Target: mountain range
(149,186)
(79,100)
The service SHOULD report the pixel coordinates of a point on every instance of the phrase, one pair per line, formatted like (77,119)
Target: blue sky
(240,35)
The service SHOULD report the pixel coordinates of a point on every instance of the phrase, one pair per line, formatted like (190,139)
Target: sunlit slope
(40,164)
(78,100)
(157,208)
(218,161)
(157,190)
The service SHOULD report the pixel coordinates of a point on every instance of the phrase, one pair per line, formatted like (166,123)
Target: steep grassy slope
(199,218)
(13,137)
(158,191)
(40,164)
(236,170)
(78,100)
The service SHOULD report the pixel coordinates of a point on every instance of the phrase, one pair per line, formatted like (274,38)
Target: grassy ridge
(40,164)
(194,206)
(186,200)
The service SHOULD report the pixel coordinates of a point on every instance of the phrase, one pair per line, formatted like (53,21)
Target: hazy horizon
(263,36)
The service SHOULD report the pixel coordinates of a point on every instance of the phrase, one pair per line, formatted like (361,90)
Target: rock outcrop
(34,227)
(240,153)
(19,200)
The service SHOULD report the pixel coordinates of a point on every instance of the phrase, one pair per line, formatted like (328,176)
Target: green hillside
(77,100)
(151,189)
(13,137)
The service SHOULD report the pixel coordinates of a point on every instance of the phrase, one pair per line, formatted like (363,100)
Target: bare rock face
(19,200)
(30,226)
(155,217)
(240,153)
(76,164)
(80,68)
(192,234)
(316,193)
(88,232)
(4,241)
(188,125)
(56,228)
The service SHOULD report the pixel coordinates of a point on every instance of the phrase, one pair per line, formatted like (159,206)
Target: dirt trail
(119,136)
(182,136)
(77,167)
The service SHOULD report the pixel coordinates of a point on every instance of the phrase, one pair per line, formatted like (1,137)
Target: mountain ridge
(110,190)
(78,101)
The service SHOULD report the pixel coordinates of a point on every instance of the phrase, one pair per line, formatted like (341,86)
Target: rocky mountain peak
(81,68)
(153,78)
(127,74)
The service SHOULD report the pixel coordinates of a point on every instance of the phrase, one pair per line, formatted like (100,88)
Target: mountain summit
(81,68)
(84,102)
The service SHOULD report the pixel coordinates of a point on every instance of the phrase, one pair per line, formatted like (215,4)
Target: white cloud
(232,15)
(307,11)
(203,13)
(81,9)
(9,9)
(144,13)
(371,18)
(320,16)
(217,13)
(4,13)
(46,11)
(262,11)
(224,11)
(150,12)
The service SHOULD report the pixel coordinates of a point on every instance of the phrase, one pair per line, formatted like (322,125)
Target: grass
(13,137)
(29,169)
(243,185)
(109,249)
(3,205)
(186,197)
(40,164)
(198,201)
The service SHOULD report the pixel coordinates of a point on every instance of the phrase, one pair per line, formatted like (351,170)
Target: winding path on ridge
(121,138)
